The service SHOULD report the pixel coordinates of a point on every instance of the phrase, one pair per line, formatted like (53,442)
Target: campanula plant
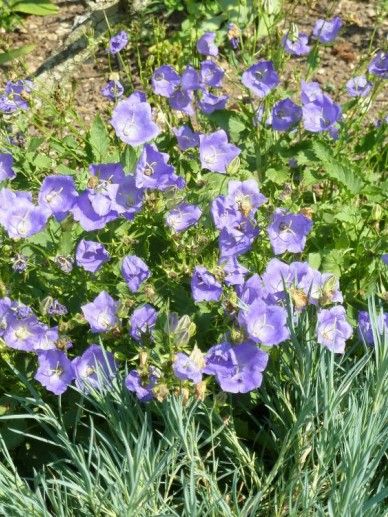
(191,237)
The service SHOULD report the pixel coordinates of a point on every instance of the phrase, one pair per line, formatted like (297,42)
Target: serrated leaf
(277,176)
(337,171)
(98,139)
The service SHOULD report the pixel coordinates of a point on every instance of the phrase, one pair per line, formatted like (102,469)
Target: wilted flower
(140,385)
(112,90)
(215,152)
(55,308)
(19,263)
(326,30)
(288,232)
(6,170)
(379,65)
(143,321)
(332,328)
(211,74)
(95,368)
(118,42)
(204,286)
(91,255)
(260,78)
(266,324)
(321,114)
(132,122)
(233,35)
(101,314)
(358,86)
(55,371)
(135,271)
(58,194)
(183,216)
(296,45)
(206,45)
(65,264)
(186,137)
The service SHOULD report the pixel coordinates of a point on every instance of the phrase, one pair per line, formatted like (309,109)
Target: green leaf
(230,122)
(278,176)
(35,7)
(339,172)
(5,57)
(314,259)
(128,159)
(333,261)
(98,139)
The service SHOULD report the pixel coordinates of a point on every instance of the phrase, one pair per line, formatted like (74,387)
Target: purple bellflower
(211,74)
(321,114)
(118,42)
(95,368)
(285,115)
(154,172)
(112,90)
(55,371)
(288,232)
(165,80)
(6,170)
(91,255)
(209,103)
(245,196)
(238,369)
(332,328)
(265,324)
(296,44)
(358,86)
(58,194)
(204,286)
(186,137)
(379,65)
(327,30)
(183,216)
(206,45)
(135,271)
(215,152)
(101,314)
(143,322)
(260,78)
(141,386)
(132,122)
